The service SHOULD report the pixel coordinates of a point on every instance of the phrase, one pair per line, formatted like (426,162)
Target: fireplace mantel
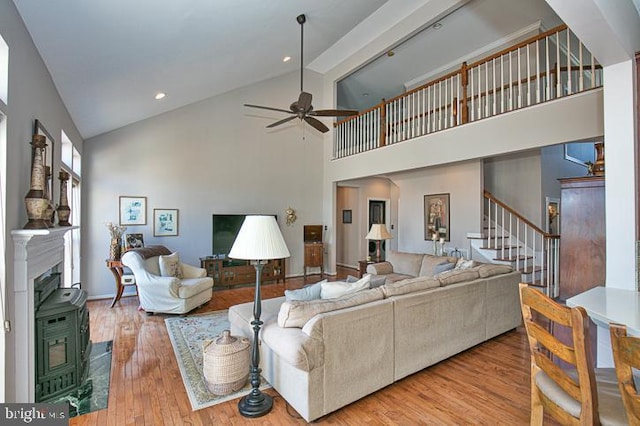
(35,252)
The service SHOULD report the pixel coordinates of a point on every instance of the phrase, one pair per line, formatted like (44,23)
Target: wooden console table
(117,269)
(232,273)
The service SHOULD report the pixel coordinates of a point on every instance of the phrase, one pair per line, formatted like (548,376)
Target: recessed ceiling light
(365,94)
(286,59)
(160,95)
(437,26)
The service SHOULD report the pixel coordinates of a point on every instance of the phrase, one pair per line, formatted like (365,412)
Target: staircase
(509,238)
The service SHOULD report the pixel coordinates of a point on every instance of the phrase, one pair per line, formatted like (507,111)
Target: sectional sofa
(321,355)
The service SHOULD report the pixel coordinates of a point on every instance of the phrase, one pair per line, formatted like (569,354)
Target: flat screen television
(225,228)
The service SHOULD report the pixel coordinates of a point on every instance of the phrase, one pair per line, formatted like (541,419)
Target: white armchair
(164,283)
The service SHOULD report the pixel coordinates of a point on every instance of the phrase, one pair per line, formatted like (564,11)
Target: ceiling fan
(302,108)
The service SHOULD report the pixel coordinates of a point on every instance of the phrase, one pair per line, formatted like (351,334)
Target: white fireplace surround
(35,252)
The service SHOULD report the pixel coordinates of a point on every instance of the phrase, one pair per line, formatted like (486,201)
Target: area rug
(187,334)
(93,393)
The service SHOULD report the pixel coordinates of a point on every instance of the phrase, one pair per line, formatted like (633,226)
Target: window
(71,162)
(4,71)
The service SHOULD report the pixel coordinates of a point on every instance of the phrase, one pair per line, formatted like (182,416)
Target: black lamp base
(255,404)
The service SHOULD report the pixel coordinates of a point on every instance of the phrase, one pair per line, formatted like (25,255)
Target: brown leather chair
(579,394)
(626,356)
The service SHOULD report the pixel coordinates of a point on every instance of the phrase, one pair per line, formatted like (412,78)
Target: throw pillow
(443,267)
(308,292)
(170,265)
(375,281)
(335,289)
(464,264)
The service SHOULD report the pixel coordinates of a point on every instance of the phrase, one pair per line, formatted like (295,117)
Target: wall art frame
(165,222)
(133,241)
(347,216)
(133,210)
(437,217)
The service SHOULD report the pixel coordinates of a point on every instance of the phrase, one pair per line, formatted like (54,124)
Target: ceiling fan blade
(284,120)
(269,108)
(304,101)
(317,124)
(334,112)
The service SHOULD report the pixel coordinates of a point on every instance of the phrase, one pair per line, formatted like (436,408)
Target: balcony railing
(548,66)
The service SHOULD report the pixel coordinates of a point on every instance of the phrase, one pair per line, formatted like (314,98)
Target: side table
(362,267)
(117,269)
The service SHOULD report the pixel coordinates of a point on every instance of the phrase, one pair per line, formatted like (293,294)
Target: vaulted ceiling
(109,58)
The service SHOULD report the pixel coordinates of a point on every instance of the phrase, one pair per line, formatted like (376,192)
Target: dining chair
(626,356)
(578,394)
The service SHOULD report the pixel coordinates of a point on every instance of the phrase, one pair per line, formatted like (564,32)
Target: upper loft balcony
(543,68)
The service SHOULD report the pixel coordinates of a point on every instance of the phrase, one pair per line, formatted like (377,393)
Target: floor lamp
(378,232)
(258,241)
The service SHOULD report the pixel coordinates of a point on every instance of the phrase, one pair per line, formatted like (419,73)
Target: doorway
(377,214)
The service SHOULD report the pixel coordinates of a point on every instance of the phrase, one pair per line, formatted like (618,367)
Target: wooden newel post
(464,79)
(383,123)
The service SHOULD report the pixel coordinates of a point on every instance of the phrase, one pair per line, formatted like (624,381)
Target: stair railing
(548,66)
(531,251)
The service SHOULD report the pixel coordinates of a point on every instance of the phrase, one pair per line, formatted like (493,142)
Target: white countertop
(605,305)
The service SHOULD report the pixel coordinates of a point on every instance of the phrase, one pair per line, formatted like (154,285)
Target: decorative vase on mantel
(35,201)
(50,211)
(63,208)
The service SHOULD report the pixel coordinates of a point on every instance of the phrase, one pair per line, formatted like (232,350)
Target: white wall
(31,95)
(348,235)
(214,156)
(516,180)
(463,181)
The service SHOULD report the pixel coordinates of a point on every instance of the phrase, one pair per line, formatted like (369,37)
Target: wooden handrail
(517,46)
(535,227)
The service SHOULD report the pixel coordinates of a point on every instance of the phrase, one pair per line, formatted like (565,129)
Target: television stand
(233,273)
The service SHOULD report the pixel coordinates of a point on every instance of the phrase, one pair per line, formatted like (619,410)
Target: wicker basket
(225,363)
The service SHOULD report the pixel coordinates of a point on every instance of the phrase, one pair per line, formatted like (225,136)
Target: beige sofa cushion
(405,263)
(296,313)
(429,262)
(409,285)
(490,269)
(457,276)
(381,268)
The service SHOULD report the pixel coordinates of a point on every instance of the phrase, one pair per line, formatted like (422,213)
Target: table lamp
(258,241)
(378,232)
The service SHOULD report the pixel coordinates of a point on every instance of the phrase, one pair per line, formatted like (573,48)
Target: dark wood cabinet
(582,242)
(231,273)
(314,257)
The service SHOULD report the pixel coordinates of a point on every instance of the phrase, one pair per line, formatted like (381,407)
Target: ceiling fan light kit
(302,108)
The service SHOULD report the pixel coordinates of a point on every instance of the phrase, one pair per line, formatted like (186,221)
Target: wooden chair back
(538,310)
(626,356)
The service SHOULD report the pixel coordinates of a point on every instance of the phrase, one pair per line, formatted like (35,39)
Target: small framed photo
(165,222)
(346,216)
(133,210)
(133,241)
(436,217)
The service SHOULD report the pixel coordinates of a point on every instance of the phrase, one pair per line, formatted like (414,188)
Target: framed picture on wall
(165,222)
(346,216)
(436,217)
(133,210)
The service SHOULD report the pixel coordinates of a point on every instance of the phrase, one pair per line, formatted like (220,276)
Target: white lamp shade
(378,232)
(259,239)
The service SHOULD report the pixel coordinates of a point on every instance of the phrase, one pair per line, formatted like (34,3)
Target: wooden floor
(488,384)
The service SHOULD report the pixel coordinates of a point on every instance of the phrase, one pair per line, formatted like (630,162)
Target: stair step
(484,237)
(513,258)
(530,270)
(492,247)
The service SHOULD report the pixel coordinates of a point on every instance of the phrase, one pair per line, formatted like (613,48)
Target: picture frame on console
(437,217)
(165,222)
(133,210)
